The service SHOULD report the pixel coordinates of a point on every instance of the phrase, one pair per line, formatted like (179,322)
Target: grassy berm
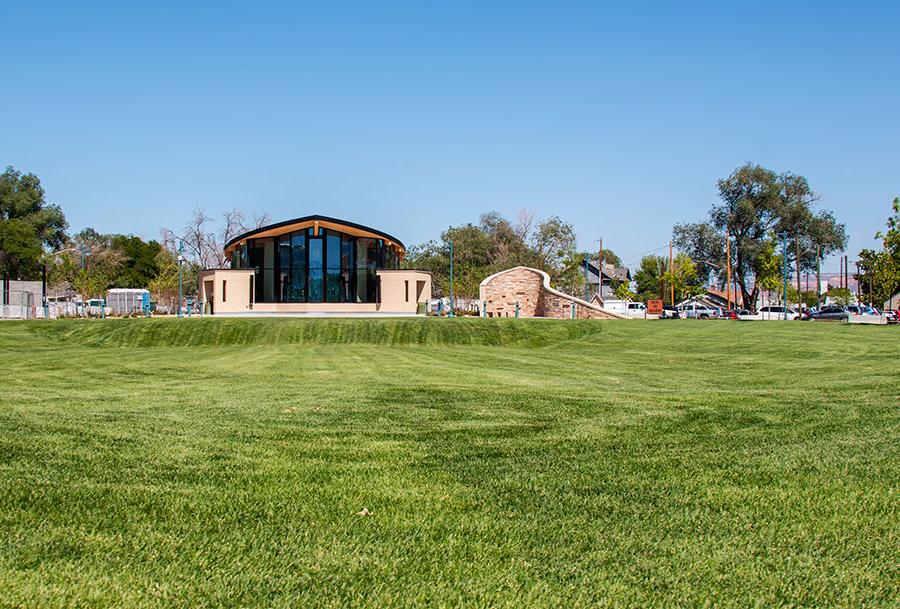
(448,463)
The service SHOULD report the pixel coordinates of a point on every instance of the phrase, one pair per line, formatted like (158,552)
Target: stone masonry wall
(559,307)
(519,284)
(526,286)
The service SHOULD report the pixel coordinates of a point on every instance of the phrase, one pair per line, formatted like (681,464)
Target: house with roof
(611,276)
(893,303)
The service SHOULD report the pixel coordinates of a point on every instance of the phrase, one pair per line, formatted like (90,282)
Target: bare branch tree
(199,242)
(204,244)
(260,219)
(524,223)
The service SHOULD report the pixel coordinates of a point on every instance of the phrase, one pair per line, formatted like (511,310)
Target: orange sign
(654,307)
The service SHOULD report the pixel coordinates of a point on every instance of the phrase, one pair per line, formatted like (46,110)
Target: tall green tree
(609,257)
(650,278)
(755,202)
(473,252)
(28,224)
(683,277)
(92,262)
(139,261)
(879,270)
(812,234)
(495,244)
(554,243)
(102,263)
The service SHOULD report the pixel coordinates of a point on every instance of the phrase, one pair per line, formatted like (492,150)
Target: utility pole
(671,276)
(451,280)
(847,272)
(784,280)
(857,281)
(797,264)
(180,265)
(600,271)
(728,263)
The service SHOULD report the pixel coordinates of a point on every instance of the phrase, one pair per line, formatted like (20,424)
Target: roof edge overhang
(312,219)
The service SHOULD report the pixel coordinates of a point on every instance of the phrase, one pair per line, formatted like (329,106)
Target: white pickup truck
(627,308)
(698,311)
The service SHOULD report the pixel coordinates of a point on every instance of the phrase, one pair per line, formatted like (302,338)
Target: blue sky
(413,117)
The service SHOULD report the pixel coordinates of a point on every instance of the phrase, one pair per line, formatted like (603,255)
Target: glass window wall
(303,267)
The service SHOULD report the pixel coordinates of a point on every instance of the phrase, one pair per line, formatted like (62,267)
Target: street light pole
(180,264)
(818,278)
(451,280)
(784,280)
(586,283)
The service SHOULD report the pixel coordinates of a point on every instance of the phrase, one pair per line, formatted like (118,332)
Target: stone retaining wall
(531,289)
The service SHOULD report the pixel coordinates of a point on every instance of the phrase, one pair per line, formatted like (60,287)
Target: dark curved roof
(313,218)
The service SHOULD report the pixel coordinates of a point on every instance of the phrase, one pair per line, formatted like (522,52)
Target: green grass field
(504,463)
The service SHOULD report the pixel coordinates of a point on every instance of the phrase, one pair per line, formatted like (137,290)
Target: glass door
(316,270)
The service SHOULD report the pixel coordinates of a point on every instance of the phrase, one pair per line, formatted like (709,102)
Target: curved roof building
(314,264)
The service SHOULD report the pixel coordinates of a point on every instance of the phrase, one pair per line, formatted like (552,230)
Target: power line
(653,251)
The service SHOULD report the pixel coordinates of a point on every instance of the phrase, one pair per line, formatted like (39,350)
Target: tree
(19,249)
(204,242)
(754,203)
(139,265)
(650,278)
(92,262)
(683,276)
(554,244)
(495,244)
(510,248)
(623,292)
(879,271)
(102,263)
(28,224)
(472,256)
(841,296)
(164,287)
(813,235)
(610,257)
(770,273)
(473,253)
(706,246)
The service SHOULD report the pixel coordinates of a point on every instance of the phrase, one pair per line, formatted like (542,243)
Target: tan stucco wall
(237,289)
(393,290)
(401,291)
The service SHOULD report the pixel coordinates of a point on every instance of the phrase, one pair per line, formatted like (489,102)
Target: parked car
(670,312)
(828,313)
(859,310)
(695,310)
(729,314)
(774,313)
(891,316)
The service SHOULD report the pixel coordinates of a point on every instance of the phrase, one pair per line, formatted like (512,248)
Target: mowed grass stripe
(576,464)
(196,332)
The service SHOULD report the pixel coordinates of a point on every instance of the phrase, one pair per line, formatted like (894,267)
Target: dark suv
(828,313)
